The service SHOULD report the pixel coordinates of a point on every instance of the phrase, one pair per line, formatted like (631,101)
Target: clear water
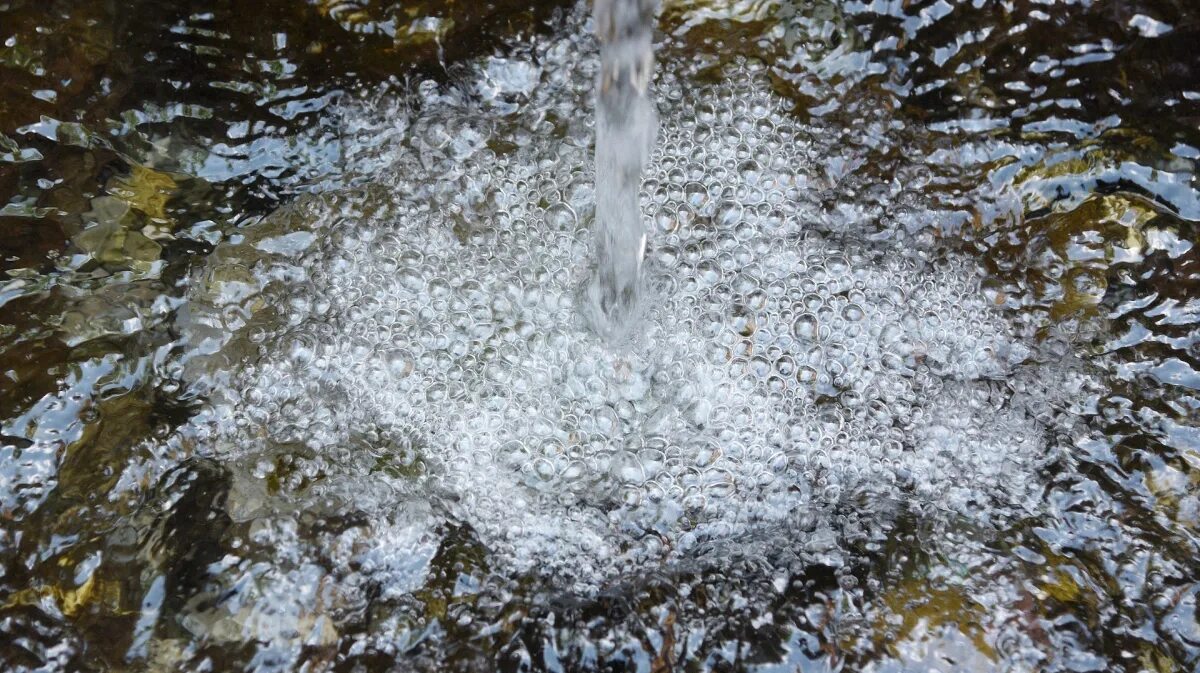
(626,123)
(913,386)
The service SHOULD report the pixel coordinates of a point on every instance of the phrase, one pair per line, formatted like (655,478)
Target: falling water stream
(626,123)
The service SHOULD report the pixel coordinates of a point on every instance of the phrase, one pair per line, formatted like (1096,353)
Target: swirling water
(914,389)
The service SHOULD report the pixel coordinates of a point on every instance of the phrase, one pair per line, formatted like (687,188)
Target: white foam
(431,326)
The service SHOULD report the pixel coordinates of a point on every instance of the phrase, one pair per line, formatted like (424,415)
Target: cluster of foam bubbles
(421,336)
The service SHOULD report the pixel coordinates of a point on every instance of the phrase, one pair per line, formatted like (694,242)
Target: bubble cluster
(418,338)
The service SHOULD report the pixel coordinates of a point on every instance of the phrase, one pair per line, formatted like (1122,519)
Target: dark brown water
(1055,143)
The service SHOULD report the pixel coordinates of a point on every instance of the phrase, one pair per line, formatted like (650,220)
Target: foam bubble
(422,332)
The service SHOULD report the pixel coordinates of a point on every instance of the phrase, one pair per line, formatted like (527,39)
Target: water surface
(298,377)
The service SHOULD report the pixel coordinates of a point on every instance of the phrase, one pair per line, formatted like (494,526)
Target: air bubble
(779,355)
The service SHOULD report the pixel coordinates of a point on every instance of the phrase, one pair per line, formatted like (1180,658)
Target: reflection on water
(950,244)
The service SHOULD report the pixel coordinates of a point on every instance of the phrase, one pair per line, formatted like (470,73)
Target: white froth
(431,327)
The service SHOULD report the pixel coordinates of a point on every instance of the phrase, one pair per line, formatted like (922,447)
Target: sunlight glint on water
(876,415)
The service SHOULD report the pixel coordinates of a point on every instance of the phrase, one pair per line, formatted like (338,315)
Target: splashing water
(842,440)
(781,373)
(626,125)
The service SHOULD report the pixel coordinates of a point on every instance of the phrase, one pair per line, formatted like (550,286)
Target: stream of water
(626,124)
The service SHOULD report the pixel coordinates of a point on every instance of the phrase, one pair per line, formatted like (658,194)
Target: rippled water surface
(295,377)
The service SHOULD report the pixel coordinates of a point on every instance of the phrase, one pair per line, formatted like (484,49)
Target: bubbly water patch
(419,343)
